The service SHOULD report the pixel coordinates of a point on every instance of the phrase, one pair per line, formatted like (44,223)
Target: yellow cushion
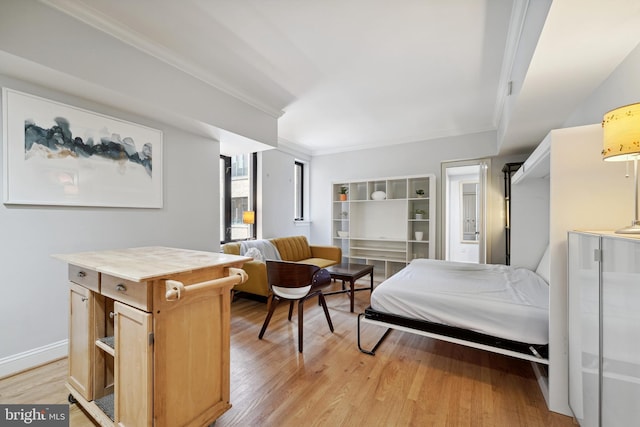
(320,262)
(294,248)
(231,248)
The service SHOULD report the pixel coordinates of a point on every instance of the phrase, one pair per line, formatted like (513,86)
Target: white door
(463,193)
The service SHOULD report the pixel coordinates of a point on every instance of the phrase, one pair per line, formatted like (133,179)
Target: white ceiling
(351,74)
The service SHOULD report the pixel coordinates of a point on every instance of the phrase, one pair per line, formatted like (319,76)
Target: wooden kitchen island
(149,334)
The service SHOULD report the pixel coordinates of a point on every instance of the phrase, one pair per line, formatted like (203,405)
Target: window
(237,194)
(225,198)
(298,197)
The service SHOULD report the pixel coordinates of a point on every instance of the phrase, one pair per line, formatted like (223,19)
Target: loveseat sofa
(294,248)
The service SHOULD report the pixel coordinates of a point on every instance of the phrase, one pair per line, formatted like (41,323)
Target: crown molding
(514,35)
(294,149)
(414,140)
(101,22)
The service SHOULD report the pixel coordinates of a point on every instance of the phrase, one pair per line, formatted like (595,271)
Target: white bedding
(498,300)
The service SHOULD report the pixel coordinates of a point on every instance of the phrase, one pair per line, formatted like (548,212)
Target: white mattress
(498,300)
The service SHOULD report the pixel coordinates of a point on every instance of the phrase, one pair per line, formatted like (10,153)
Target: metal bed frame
(531,352)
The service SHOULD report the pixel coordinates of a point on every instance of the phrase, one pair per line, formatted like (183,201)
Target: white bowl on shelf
(343,234)
(378,195)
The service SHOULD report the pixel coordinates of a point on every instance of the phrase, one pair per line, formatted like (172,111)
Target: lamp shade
(248,217)
(621,139)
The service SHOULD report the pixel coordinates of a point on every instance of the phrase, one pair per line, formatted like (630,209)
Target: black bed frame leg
(371,352)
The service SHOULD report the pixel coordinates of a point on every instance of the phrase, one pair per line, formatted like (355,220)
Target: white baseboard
(31,358)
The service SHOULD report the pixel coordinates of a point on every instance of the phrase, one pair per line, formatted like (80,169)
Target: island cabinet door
(191,356)
(133,367)
(80,339)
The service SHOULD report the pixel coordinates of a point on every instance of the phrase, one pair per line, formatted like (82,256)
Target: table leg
(352,284)
(371,274)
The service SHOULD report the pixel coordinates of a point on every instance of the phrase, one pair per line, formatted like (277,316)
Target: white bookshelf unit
(377,222)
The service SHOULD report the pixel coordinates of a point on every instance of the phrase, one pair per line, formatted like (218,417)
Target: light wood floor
(411,381)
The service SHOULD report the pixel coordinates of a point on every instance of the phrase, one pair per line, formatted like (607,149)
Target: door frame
(483,218)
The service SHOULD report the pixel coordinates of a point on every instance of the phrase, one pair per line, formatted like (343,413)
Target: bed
(493,307)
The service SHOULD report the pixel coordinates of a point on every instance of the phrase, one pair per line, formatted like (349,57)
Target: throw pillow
(255,254)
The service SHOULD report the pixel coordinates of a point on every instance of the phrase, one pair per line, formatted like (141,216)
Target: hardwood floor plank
(411,381)
(43,385)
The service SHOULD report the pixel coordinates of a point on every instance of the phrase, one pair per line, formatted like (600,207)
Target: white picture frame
(58,154)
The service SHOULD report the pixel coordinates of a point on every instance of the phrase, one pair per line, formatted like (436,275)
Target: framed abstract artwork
(57,154)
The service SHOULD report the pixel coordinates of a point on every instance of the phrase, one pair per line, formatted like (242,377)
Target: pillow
(544,269)
(255,254)
(265,247)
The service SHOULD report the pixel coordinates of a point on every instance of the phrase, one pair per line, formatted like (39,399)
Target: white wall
(622,87)
(275,196)
(34,306)
(410,159)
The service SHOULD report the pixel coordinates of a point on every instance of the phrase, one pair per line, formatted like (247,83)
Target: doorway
(464,206)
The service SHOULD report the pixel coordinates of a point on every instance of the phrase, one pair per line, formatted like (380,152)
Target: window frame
(299,192)
(226,211)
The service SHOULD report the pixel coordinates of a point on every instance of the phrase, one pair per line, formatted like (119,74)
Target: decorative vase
(419,235)
(378,195)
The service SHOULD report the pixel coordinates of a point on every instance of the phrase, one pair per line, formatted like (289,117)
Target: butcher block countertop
(146,263)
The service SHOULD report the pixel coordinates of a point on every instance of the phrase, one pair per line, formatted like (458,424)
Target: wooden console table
(149,334)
